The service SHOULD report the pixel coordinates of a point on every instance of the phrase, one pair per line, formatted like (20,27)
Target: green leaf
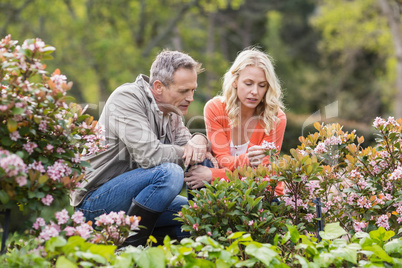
(54,243)
(222,264)
(262,253)
(380,253)
(4,198)
(381,235)
(346,254)
(294,234)
(332,231)
(236,235)
(16,111)
(106,251)
(12,125)
(63,262)
(6,141)
(92,256)
(393,246)
(151,257)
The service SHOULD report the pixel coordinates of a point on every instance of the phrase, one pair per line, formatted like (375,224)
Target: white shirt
(236,150)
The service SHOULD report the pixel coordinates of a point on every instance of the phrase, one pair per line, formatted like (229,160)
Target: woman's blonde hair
(268,109)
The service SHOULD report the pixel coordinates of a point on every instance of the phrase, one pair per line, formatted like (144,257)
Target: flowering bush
(112,228)
(246,203)
(359,187)
(42,135)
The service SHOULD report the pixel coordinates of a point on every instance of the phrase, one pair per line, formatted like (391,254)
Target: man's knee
(173,173)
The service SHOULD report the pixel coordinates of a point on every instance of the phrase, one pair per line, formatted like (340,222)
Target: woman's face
(251,86)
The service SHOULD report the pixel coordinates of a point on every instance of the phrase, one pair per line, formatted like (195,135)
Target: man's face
(178,96)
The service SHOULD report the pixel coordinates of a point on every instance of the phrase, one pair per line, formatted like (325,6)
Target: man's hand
(195,150)
(255,155)
(196,176)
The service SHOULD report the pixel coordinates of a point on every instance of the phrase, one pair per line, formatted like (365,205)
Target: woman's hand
(255,155)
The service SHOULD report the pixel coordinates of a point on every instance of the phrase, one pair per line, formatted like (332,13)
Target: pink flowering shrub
(43,134)
(112,228)
(359,187)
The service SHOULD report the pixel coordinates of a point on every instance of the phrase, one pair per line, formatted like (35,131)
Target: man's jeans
(156,189)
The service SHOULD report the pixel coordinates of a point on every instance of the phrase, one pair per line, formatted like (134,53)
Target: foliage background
(326,52)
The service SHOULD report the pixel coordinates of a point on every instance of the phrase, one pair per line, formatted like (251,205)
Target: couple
(141,170)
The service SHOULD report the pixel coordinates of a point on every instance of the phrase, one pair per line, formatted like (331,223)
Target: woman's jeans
(156,189)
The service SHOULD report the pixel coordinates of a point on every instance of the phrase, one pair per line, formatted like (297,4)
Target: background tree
(324,51)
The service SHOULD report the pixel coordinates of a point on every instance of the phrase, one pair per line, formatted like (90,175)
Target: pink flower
(362,183)
(379,122)
(195,226)
(84,230)
(49,147)
(309,217)
(303,153)
(78,217)
(12,164)
(209,233)
(47,200)
(333,141)
(397,174)
(21,180)
(391,121)
(70,231)
(3,108)
(104,219)
(270,146)
(60,150)
(250,222)
(58,79)
(48,232)
(358,226)
(320,149)
(15,135)
(59,170)
(42,125)
(37,166)
(38,223)
(29,147)
(382,221)
(38,44)
(62,216)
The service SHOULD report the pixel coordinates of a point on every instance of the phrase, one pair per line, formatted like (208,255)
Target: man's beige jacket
(137,134)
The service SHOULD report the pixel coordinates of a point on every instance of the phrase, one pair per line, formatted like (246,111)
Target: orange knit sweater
(219,132)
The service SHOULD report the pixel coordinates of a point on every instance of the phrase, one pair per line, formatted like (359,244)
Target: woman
(249,112)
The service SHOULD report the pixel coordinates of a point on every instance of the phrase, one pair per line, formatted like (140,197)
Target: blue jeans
(156,189)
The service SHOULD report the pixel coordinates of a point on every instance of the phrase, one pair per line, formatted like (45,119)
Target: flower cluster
(112,228)
(43,136)
(361,186)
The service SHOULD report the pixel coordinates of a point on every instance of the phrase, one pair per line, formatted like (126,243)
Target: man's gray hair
(166,64)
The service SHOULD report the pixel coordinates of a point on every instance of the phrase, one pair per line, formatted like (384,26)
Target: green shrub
(244,204)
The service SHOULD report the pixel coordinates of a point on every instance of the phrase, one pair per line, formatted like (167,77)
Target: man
(140,171)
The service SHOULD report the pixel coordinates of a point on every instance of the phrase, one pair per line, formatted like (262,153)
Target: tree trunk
(394,20)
